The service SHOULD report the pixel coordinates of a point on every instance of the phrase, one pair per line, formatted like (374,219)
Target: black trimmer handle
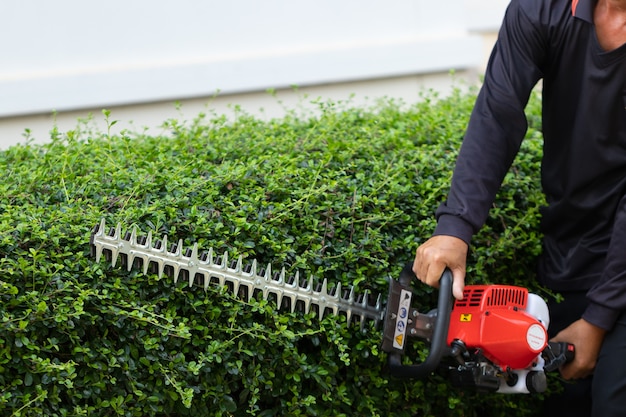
(557,354)
(440,332)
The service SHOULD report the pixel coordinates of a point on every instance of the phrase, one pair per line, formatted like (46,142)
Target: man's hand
(587,339)
(437,253)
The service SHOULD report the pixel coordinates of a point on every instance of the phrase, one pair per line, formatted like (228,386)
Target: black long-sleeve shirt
(584,162)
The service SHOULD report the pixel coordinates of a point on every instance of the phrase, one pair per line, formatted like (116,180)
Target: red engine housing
(493,318)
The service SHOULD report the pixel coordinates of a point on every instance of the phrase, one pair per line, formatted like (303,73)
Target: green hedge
(343,192)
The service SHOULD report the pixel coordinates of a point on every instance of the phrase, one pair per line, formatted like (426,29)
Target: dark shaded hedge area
(344,193)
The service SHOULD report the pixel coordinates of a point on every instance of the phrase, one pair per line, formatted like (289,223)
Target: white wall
(73,56)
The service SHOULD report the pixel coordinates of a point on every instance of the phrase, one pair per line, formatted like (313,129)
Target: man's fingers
(419,266)
(437,254)
(587,338)
(432,276)
(425,272)
(571,371)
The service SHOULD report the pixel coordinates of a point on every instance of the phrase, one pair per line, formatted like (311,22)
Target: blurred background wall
(150,60)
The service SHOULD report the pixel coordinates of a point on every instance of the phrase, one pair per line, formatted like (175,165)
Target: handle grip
(557,354)
(440,330)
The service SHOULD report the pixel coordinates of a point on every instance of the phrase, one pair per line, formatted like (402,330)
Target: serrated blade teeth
(324,290)
(147,244)
(192,265)
(281,277)
(352,295)
(209,269)
(239,266)
(176,270)
(305,305)
(236,284)
(379,301)
(116,251)
(98,248)
(225,260)
(338,291)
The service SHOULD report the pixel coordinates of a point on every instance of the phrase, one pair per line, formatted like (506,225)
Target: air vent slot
(471,297)
(493,296)
(506,297)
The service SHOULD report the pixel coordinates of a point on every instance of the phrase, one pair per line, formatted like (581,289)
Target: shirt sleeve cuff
(601,316)
(450,225)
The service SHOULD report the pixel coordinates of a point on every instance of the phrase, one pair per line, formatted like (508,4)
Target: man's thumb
(458,284)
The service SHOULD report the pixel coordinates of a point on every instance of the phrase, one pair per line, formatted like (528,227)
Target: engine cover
(493,320)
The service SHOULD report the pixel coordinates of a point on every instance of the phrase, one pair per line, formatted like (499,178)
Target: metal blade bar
(206,269)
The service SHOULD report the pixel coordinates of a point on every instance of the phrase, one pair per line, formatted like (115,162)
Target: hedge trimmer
(495,339)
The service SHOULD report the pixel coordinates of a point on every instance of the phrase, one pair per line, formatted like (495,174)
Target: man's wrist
(450,225)
(601,316)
